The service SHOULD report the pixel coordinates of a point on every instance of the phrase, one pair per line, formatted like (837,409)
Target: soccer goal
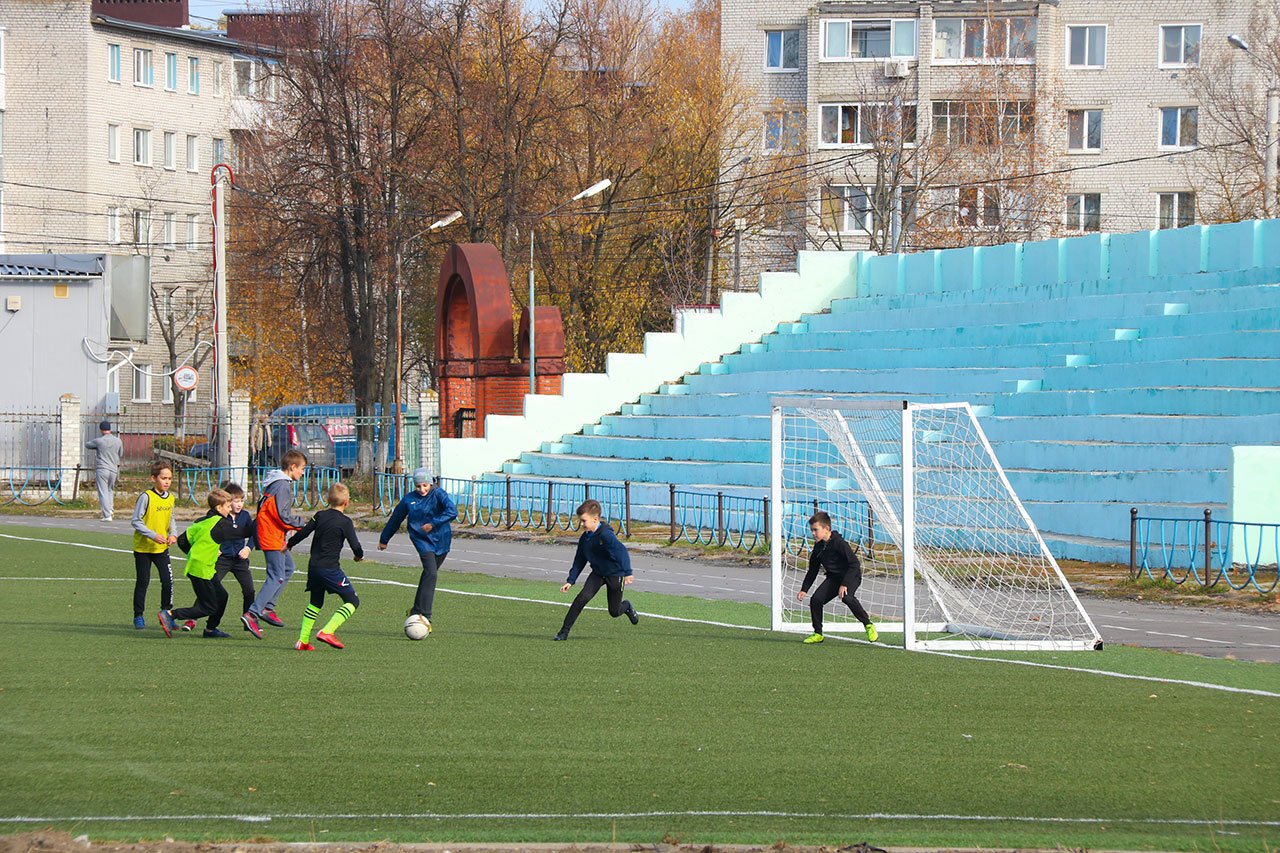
(950,558)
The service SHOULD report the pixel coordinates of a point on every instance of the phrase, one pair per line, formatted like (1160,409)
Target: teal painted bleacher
(1112,371)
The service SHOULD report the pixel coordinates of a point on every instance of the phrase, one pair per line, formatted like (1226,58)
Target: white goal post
(950,557)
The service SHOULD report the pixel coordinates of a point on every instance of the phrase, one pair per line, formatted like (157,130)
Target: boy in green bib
(201,543)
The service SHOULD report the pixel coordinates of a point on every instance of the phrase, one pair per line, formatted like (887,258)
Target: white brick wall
(1129,89)
(59,103)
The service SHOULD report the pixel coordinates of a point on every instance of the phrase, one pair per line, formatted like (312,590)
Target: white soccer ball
(417,627)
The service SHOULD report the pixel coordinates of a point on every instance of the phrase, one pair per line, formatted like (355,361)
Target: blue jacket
(435,508)
(608,557)
(244,525)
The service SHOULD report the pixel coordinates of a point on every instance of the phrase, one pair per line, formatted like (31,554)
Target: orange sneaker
(304,647)
(329,639)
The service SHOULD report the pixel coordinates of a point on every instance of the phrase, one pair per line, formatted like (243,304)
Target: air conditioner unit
(897,68)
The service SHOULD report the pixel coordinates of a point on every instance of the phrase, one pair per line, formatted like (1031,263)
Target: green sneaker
(872,633)
(813,638)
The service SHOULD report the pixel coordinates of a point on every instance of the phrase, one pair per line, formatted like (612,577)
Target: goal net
(950,558)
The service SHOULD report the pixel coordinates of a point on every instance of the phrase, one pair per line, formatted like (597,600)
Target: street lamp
(1271,152)
(397,467)
(594,189)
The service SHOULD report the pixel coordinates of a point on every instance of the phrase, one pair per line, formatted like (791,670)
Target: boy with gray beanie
(429,509)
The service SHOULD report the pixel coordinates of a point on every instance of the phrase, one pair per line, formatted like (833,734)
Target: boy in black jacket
(324,573)
(843,573)
(233,557)
(610,568)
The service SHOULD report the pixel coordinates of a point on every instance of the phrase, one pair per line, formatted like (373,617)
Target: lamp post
(1271,151)
(594,189)
(397,467)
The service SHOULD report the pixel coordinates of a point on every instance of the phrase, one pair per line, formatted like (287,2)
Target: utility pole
(738,225)
(711,247)
(221,390)
(1272,152)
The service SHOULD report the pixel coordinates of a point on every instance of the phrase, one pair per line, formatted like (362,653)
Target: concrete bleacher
(1108,371)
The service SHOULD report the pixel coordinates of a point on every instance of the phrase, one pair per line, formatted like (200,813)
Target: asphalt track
(1213,632)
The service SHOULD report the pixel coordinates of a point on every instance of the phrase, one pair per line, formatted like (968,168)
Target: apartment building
(1103,85)
(113,117)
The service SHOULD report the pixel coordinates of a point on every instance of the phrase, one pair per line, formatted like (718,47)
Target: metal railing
(1205,551)
(32,486)
(192,484)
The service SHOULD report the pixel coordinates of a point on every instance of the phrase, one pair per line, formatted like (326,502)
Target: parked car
(311,438)
(339,423)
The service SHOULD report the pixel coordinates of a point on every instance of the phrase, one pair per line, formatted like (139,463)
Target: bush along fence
(1204,551)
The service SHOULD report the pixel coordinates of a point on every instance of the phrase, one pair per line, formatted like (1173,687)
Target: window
(1179,45)
(193,233)
(141,147)
(849,209)
(113,63)
(843,39)
(142,227)
(113,380)
(982,122)
(170,149)
(978,39)
(113,225)
(219,151)
(113,143)
(783,131)
(1179,127)
(170,230)
(142,383)
(1084,131)
(243,70)
(193,158)
(171,72)
(193,75)
(978,207)
(1087,47)
(143,72)
(782,50)
(1177,210)
(861,124)
(166,382)
(1084,212)
(217,78)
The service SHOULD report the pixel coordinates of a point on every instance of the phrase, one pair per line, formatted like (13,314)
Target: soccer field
(684,730)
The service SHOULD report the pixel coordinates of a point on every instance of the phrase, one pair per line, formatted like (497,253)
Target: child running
(324,573)
(200,542)
(843,572)
(275,519)
(429,509)
(233,556)
(610,567)
(154,530)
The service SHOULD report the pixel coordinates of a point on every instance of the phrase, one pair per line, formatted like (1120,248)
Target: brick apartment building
(113,115)
(1108,81)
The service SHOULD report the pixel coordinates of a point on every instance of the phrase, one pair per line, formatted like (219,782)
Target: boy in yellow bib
(154,530)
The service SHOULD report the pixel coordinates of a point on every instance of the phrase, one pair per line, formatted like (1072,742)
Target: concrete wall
(1255,496)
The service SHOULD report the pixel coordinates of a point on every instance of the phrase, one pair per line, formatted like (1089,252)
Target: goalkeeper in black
(843,573)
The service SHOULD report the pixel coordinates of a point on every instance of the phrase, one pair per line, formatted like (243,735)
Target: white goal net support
(950,558)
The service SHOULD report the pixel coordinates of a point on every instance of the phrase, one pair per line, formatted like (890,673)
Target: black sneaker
(563,635)
(212,633)
(632,614)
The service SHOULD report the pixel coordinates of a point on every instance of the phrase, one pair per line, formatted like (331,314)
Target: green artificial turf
(429,741)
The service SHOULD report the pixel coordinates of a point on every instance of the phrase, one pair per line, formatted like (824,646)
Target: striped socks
(342,614)
(309,617)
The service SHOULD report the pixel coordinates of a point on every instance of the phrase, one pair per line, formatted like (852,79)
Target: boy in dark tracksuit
(610,568)
(843,573)
(233,556)
(200,542)
(332,528)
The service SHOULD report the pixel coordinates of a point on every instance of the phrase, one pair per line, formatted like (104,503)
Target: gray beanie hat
(422,475)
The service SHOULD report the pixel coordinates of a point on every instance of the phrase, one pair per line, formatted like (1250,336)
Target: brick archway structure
(480,373)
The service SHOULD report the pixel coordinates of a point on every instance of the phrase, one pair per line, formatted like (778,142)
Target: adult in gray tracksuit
(275,520)
(107,470)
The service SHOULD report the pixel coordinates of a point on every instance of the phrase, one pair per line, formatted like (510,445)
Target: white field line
(439,816)
(1102,672)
